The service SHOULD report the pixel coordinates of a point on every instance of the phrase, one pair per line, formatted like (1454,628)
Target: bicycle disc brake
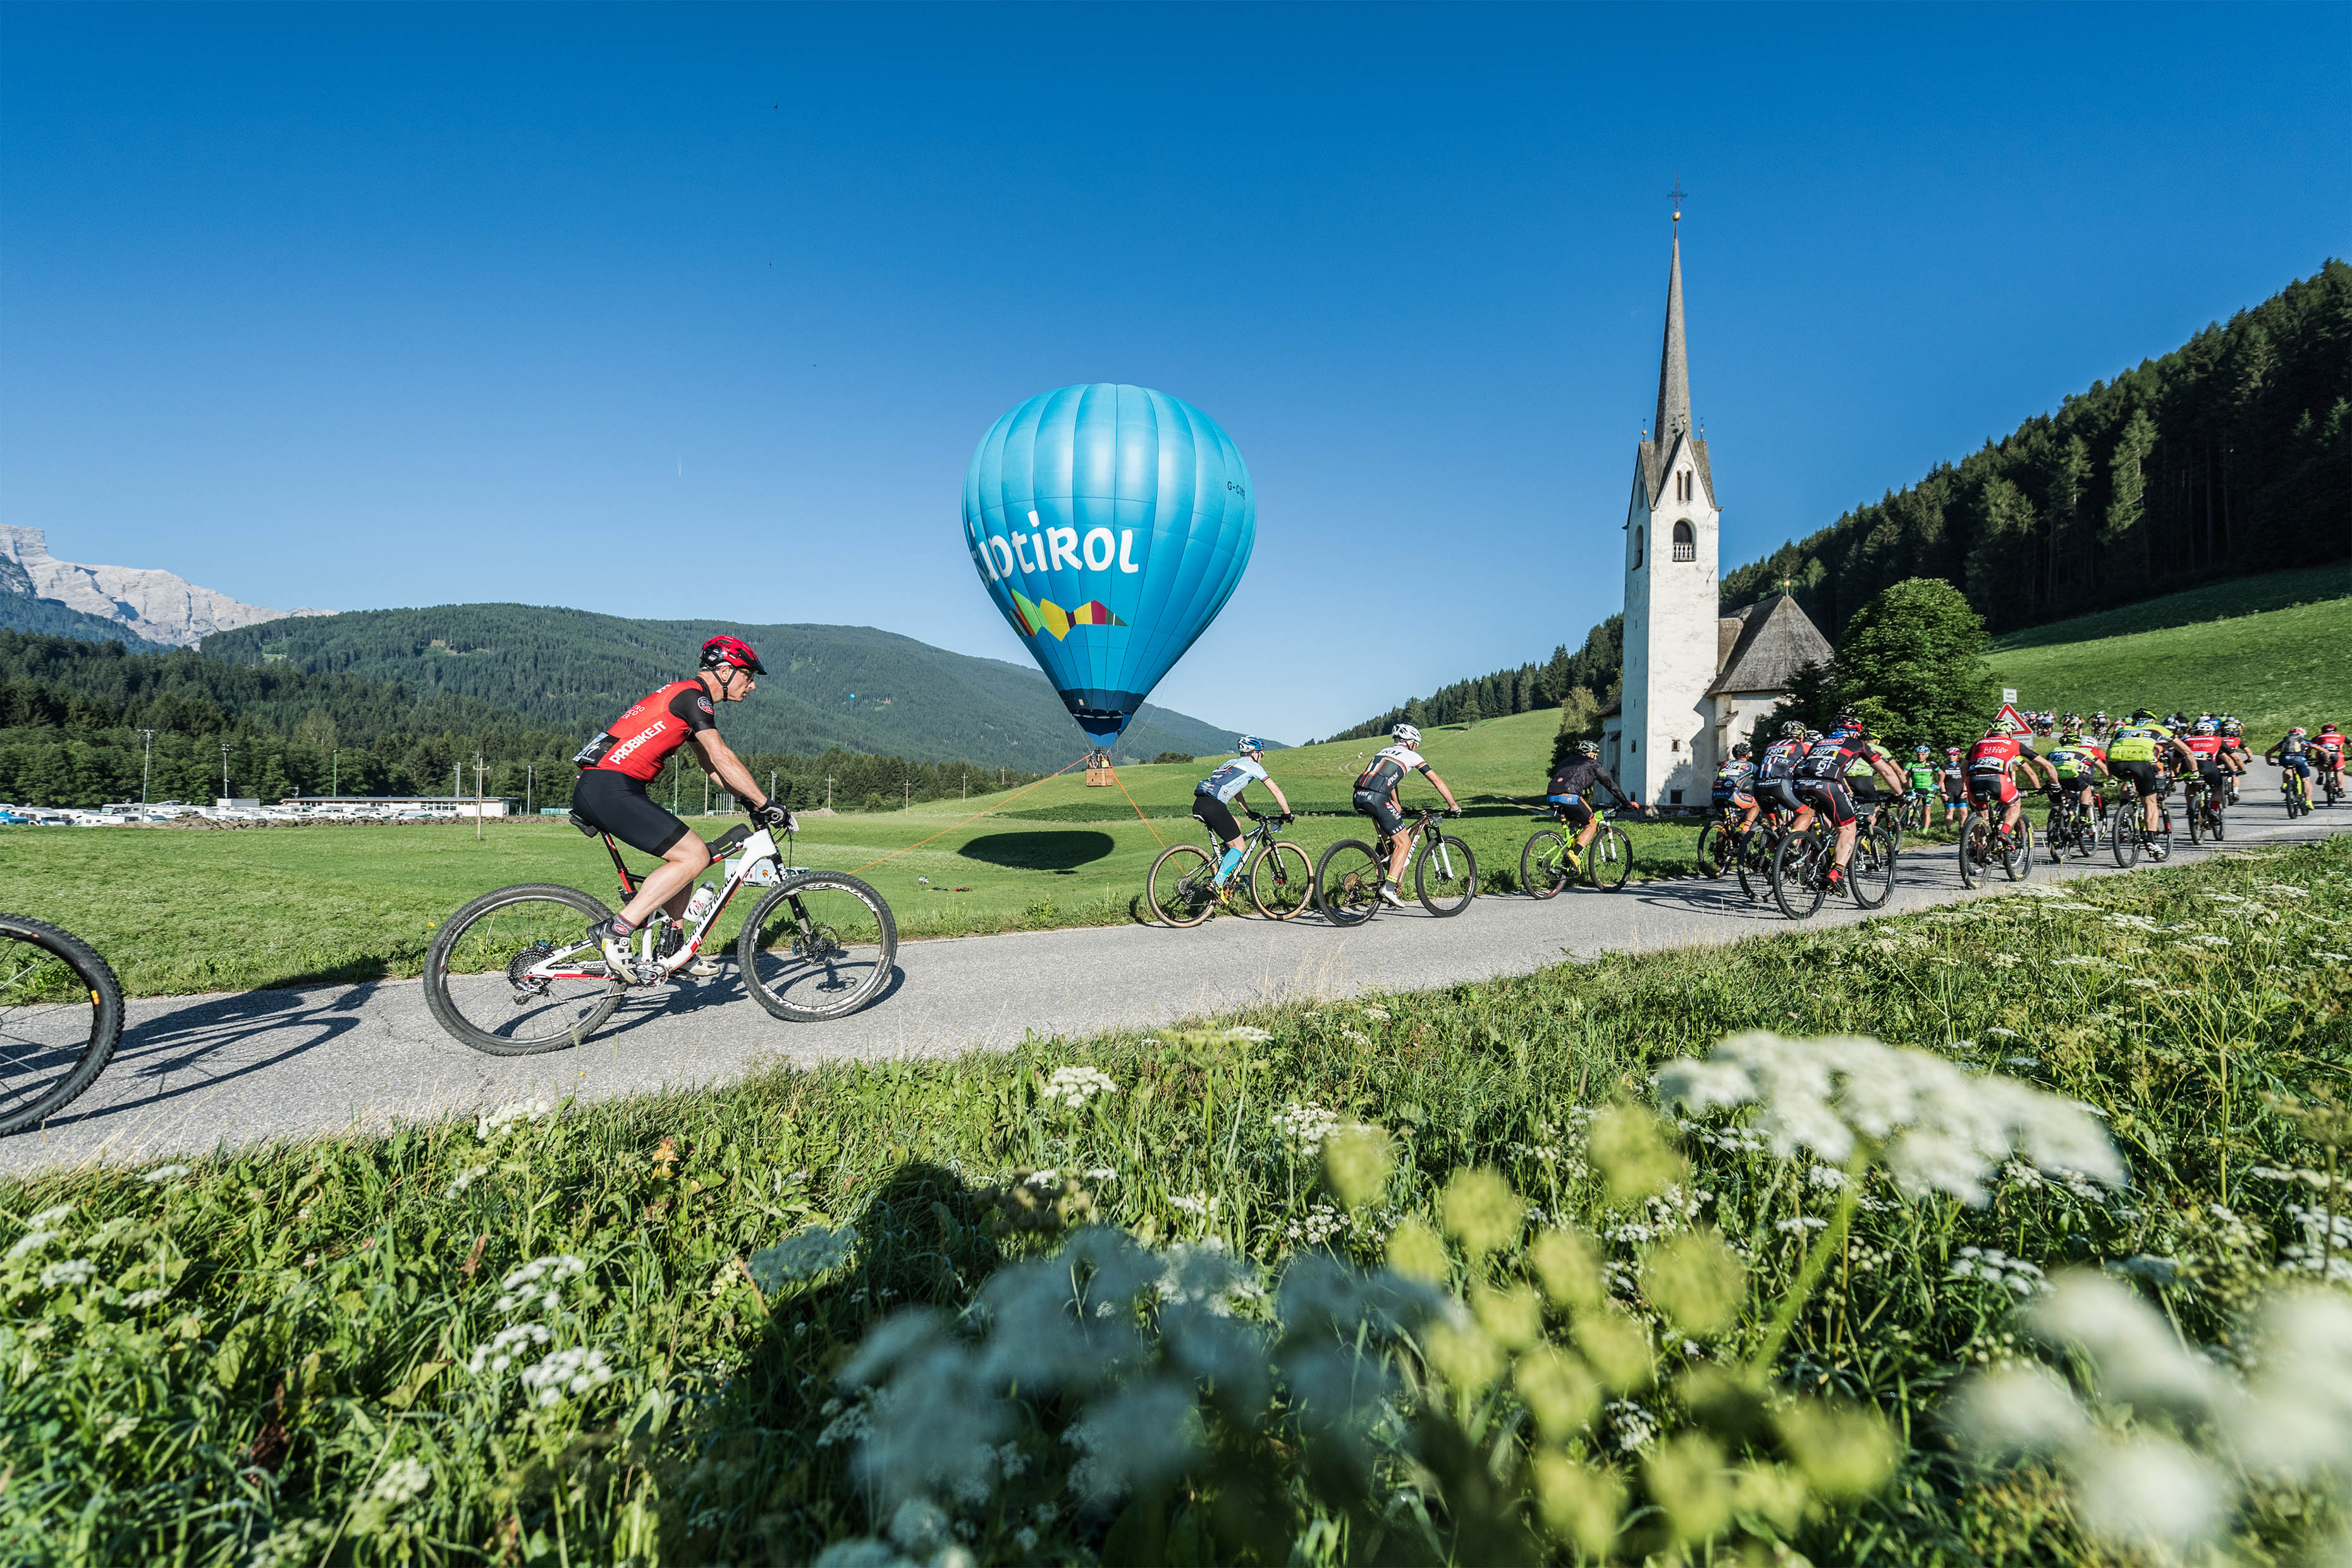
(819,944)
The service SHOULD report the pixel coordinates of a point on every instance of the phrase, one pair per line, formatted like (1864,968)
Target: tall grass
(293,1355)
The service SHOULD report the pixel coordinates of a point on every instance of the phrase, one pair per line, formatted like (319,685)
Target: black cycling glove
(768,814)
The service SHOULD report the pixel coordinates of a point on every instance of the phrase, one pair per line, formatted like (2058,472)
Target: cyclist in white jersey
(1213,796)
(1376,797)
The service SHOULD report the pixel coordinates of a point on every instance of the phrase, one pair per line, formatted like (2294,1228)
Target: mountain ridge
(147,602)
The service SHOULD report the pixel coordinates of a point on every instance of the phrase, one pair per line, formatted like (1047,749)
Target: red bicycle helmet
(732,650)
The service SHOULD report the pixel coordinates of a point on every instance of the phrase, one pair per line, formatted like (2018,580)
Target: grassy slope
(2274,650)
(322,1301)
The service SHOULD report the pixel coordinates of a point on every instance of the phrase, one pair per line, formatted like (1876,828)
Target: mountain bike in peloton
(1348,878)
(2069,826)
(60,1020)
(1987,842)
(1801,865)
(1183,886)
(512,975)
(1547,863)
(2204,807)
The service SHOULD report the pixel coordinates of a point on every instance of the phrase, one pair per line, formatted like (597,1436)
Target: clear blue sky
(680,311)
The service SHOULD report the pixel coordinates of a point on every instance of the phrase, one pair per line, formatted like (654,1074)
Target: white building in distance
(1694,679)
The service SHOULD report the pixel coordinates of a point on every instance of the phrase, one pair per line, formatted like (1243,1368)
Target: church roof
(1673,427)
(1657,457)
(1776,640)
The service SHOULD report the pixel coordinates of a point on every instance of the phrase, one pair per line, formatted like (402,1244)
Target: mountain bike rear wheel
(2017,861)
(477,985)
(2197,821)
(1281,882)
(1797,885)
(821,946)
(1609,858)
(1975,849)
(1870,873)
(1543,864)
(60,1020)
(1347,882)
(1183,886)
(1754,862)
(1446,875)
(1716,845)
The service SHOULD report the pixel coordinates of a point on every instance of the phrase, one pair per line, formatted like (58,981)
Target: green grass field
(623,1332)
(2274,650)
(180,911)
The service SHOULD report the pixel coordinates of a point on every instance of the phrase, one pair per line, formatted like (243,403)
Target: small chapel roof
(1776,640)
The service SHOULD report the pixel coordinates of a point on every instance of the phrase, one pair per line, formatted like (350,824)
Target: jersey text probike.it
(642,738)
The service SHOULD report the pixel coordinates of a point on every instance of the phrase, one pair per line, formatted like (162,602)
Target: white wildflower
(801,1257)
(1994,1267)
(2298,1419)
(49,1217)
(1799,1224)
(32,1241)
(1938,1128)
(1100,1173)
(402,1480)
(1377,1015)
(508,1345)
(567,1373)
(1139,1439)
(71,1271)
(539,1282)
(1197,1204)
(165,1174)
(1074,1087)
(1304,1125)
(496,1124)
(2136,1356)
(464,1179)
(2150,1491)
(2023,1408)
(1829,1176)
(1635,1428)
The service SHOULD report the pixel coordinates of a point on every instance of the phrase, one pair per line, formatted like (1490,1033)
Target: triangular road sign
(2010,719)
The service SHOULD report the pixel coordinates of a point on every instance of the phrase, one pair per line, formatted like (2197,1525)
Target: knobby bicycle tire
(2018,863)
(1754,864)
(1178,888)
(1347,883)
(1443,894)
(41,1032)
(1794,881)
(1609,858)
(566,1024)
(1542,872)
(827,966)
(1713,858)
(1281,880)
(1872,865)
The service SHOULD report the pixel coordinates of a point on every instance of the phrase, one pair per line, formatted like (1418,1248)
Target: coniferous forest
(72,715)
(2227,457)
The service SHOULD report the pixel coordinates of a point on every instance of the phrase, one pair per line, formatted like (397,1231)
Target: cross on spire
(1675,197)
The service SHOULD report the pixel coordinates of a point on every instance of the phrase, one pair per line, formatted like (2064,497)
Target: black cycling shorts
(1218,815)
(1781,792)
(619,805)
(2143,776)
(1381,809)
(1828,797)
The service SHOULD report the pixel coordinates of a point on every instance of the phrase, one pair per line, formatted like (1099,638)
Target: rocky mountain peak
(156,605)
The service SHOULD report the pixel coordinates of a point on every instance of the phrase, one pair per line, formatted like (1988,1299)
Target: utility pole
(967,784)
(771,783)
(335,772)
(225,771)
(478,797)
(527,768)
(147,766)
(906,794)
(706,795)
(828,792)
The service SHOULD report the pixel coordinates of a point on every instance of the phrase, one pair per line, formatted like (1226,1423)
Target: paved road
(197,1071)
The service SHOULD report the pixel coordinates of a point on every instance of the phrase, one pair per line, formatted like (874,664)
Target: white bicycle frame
(750,853)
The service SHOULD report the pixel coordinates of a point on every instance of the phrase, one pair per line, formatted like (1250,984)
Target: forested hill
(850,686)
(2229,455)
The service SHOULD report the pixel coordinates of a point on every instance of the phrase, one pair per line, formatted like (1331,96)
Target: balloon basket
(1099,773)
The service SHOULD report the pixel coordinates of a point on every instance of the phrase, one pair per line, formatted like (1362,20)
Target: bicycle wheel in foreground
(1716,841)
(1445,877)
(1543,869)
(476,984)
(2017,862)
(1609,861)
(2129,835)
(1347,883)
(821,946)
(1975,849)
(1869,872)
(1180,889)
(1282,881)
(1797,885)
(60,1020)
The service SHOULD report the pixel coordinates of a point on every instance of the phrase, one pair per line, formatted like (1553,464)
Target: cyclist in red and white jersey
(1991,762)
(615,767)
(2327,754)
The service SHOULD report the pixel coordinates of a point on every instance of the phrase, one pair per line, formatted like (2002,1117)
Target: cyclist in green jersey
(1923,774)
(2080,768)
(2133,754)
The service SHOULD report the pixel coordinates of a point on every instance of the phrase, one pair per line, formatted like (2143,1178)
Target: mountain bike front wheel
(2016,860)
(60,1020)
(1870,873)
(1543,864)
(1754,863)
(1797,875)
(1281,880)
(1609,858)
(1446,878)
(1716,845)
(821,946)
(477,980)
(1347,882)
(1183,888)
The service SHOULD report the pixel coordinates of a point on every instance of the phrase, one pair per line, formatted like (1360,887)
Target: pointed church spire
(1674,361)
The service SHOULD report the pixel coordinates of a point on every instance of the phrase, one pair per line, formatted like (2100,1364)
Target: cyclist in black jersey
(1571,788)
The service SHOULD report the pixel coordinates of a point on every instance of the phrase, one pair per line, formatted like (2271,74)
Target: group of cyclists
(1836,777)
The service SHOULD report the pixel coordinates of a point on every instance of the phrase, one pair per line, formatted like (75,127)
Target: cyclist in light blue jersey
(1213,796)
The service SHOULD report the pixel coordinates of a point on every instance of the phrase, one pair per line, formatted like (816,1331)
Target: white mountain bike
(513,974)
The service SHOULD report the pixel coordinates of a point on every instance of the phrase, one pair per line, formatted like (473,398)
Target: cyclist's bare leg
(1845,840)
(670,884)
(1400,846)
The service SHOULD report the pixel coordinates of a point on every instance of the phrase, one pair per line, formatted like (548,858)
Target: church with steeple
(1694,679)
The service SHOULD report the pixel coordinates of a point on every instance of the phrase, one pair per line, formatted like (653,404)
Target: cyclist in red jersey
(1989,763)
(2327,754)
(616,766)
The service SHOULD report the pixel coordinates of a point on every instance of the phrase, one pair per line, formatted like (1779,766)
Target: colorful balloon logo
(1110,524)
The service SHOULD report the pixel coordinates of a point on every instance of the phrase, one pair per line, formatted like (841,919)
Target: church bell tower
(1665,751)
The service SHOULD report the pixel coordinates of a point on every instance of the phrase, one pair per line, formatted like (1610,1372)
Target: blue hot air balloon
(1110,524)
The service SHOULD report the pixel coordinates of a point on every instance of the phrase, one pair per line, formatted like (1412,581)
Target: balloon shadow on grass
(1061,853)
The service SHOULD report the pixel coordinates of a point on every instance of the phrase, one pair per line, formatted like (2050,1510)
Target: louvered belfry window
(1686,542)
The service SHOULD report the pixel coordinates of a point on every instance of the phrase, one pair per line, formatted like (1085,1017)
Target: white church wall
(1670,641)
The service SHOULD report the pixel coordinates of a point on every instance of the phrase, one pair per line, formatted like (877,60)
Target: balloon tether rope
(1139,810)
